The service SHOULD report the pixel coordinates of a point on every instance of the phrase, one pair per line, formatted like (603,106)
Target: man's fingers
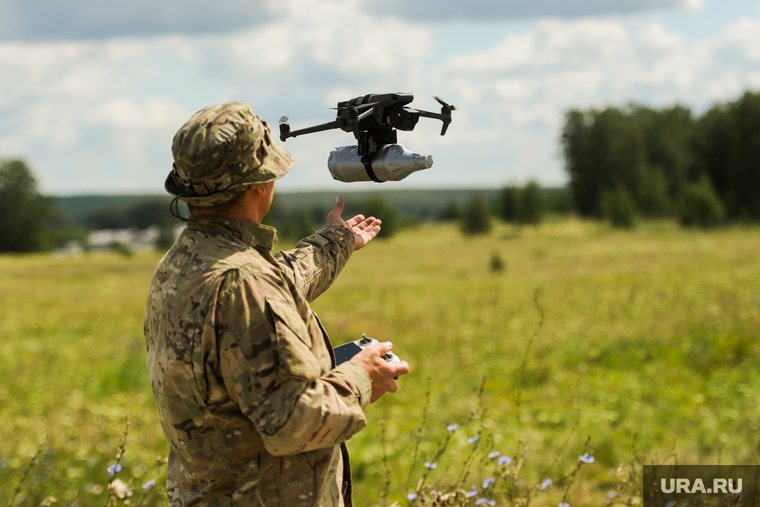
(399,369)
(383,348)
(353,222)
(367,223)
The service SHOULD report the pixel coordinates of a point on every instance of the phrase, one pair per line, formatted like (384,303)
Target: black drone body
(374,120)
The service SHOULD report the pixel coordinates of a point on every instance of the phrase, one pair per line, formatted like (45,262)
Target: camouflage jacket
(243,372)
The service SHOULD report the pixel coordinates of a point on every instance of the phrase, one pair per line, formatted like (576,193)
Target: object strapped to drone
(374,120)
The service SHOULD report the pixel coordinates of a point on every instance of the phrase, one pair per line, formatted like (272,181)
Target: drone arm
(444,116)
(286,133)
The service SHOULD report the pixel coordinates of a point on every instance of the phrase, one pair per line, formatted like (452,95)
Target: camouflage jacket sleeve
(276,367)
(316,260)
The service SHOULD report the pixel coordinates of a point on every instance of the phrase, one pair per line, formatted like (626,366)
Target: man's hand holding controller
(382,367)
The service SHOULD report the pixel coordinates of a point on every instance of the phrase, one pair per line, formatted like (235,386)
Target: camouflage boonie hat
(222,151)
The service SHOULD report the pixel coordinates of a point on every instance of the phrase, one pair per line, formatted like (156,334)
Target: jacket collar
(255,235)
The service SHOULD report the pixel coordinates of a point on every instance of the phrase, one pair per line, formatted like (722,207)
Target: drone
(374,119)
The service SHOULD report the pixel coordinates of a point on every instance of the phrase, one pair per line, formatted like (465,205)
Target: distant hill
(84,211)
(421,203)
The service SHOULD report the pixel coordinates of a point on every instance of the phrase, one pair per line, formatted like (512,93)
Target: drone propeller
(445,104)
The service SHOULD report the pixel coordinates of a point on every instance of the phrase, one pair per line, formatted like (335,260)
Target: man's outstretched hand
(364,229)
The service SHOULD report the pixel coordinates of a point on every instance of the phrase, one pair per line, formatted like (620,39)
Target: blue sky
(92,91)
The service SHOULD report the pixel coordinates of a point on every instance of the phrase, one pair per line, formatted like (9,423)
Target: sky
(92,91)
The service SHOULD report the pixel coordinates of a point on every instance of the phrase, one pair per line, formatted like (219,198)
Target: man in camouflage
(250,400)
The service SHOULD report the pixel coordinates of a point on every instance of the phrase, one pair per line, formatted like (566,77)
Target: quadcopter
(374,120)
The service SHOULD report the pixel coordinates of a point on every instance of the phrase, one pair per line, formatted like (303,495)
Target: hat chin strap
(174,209)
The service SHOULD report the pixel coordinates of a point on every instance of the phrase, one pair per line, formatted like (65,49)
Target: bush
(618,207)
(699,205)
(452,211)
(496,263)
(510,203)
(476,219)
(533,204)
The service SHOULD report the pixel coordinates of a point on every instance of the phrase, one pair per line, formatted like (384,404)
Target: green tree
(559,200)
(649,152)
(619,208)
(299,224)
(452,211)
(110,217)
(653,194)
(603,149)
(699,205)
(147,212)
(476,219)
(533,205)
(728,148)
(509,203)
(166,236)
(23,210)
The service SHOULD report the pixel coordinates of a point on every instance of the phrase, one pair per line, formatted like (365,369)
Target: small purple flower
(546,483)
(452,427)
(563,504)
(488,483)
(411,496)
(472,492)
(149,484)
(671,503)
(113,469)
(505,460)
(430,465)
(472,440)
(610,495)
(493,454)
(586,458)
(481,501)
(472,411)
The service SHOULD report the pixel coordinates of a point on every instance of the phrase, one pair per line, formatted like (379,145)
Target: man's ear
(261,190)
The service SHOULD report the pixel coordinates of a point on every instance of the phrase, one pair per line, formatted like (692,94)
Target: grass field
(651,334)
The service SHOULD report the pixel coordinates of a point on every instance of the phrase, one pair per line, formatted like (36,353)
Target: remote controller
(348,350)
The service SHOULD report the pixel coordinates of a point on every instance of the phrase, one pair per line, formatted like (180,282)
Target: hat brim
(276,165)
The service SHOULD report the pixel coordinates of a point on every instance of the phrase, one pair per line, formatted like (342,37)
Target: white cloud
(95,115)
(103,19)
(522,86)
(489,10)
(72,105)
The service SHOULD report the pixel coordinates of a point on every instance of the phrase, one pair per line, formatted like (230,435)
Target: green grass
(654,331)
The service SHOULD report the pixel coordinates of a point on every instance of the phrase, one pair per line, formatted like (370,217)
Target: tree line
(622,163)
(637,160)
